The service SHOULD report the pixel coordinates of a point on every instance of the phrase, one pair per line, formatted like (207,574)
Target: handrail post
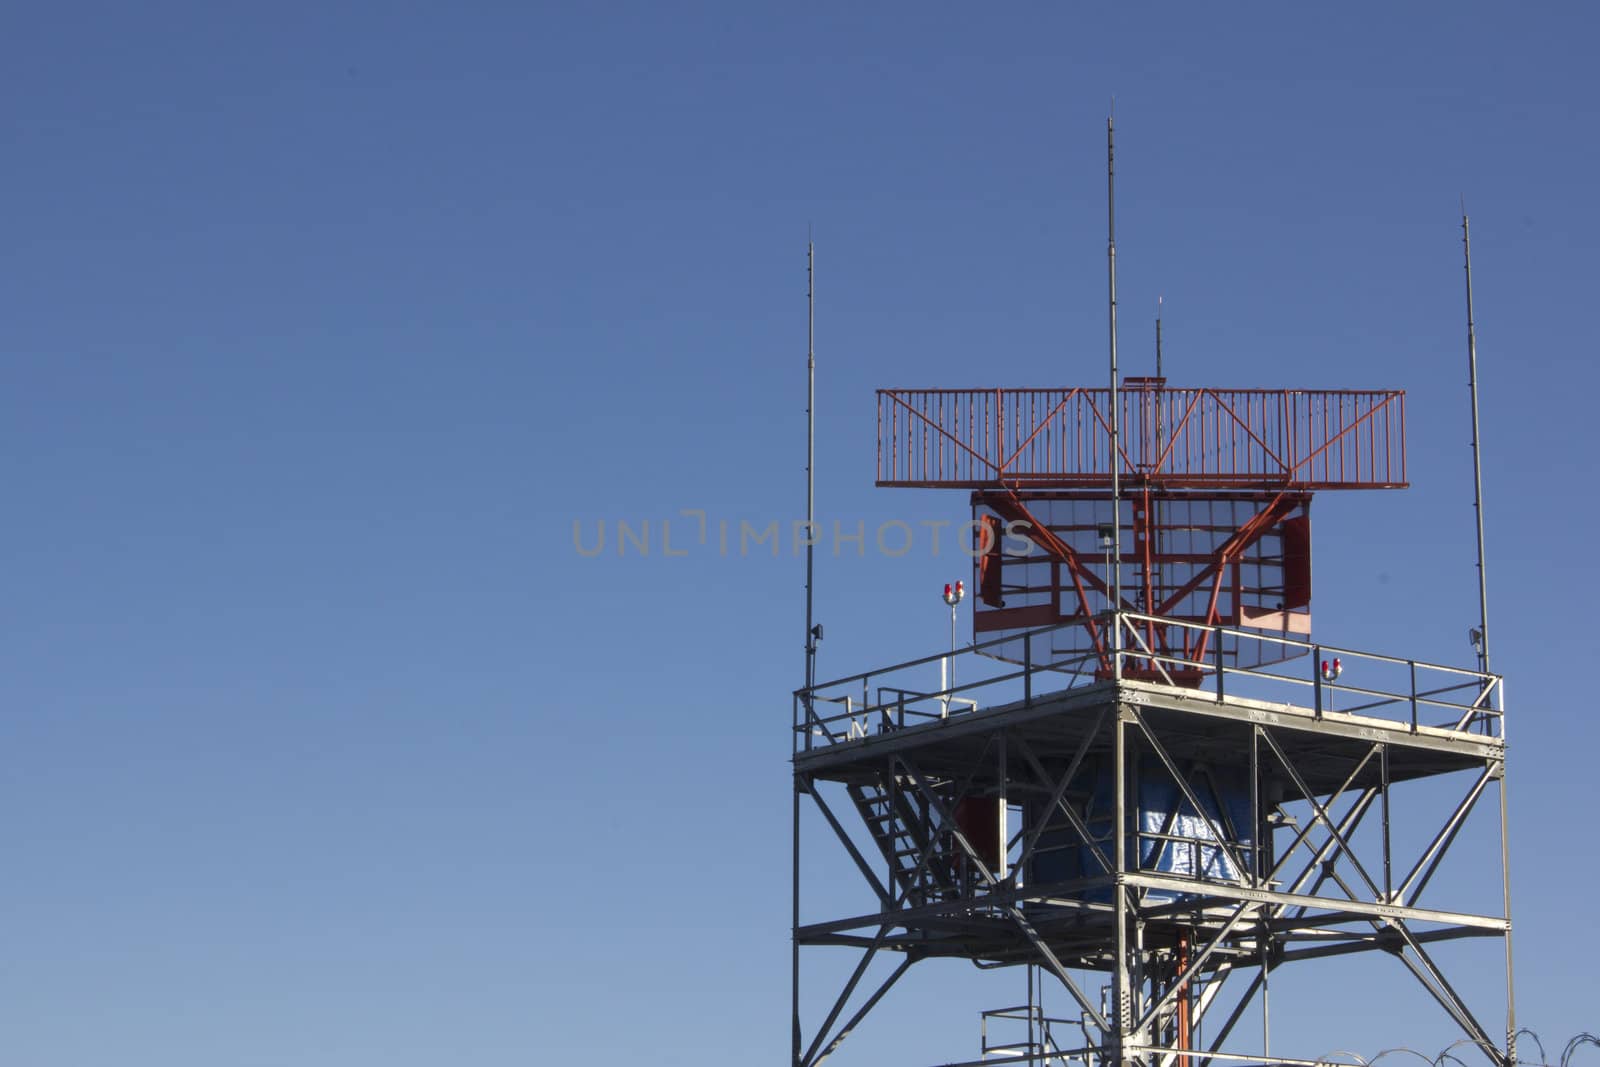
(1413,665)
(1116,637)
(1500,706)
(1216,656)
(1316,676)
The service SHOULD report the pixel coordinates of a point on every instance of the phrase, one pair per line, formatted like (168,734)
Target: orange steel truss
(1196,439)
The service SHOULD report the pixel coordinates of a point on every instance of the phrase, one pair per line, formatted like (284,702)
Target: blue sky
(324,323)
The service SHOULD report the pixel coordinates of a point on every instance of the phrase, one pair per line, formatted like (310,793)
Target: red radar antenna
(1213,523)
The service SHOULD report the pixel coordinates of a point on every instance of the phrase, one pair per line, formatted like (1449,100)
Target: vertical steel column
(1266,1005)
(1505,877)
(1000,869)
(794,1046)
(1258,818)
(1030,1014)
(1388,870)
(1122,989)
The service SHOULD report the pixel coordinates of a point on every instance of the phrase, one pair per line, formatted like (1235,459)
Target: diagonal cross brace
(1011,910)
(1188,793)
(844,996)
(850,846)
(1431,857)
(1320,813)
(1056,802)
(861,1013)
(1246,908)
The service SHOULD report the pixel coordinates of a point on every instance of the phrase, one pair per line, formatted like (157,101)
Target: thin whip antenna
(1477,452)
(811,460)
(1116,458)
(1158,337)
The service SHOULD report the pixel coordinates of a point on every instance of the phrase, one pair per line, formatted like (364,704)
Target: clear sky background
(323,323)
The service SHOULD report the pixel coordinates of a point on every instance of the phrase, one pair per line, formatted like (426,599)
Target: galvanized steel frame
(1342,900)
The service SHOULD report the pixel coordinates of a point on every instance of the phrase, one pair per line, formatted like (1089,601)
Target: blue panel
(1171,836)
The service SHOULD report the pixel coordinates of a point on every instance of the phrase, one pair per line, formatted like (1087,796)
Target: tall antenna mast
(811,458)
(1116,459)
(812,632)
(1477,457)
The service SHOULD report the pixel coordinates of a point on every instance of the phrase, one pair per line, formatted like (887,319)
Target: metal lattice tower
(1163,789)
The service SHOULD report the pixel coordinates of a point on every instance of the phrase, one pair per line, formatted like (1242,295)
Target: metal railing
(1036,1046)
(1394,689)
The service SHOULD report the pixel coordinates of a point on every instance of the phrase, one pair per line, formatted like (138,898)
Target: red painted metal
(1185,995)
(990,562)
(979,820)
(1297,562)
(1174,439)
